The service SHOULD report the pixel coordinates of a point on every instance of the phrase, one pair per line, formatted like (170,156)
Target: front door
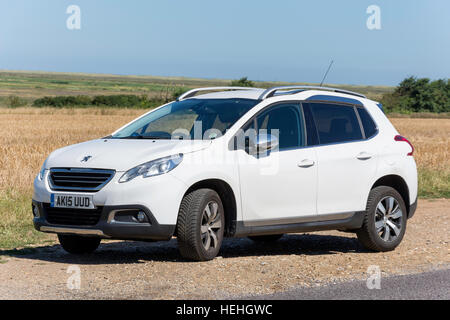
(279,187)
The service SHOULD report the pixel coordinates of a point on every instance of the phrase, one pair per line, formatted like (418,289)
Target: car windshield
(199,119)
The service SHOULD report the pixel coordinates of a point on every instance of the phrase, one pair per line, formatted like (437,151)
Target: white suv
(234,162)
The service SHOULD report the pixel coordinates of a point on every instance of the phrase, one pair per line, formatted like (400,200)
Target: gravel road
(137,270)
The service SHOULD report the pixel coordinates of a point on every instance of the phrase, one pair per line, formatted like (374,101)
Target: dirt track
(135,270)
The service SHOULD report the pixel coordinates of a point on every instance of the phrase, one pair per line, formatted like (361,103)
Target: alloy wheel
(211,224)
(388,219)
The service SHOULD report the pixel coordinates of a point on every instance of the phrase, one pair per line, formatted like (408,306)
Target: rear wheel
(78,245)
(385,220)
(200,226)
(266,238)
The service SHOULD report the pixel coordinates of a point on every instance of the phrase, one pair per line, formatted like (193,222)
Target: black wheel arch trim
(399,184)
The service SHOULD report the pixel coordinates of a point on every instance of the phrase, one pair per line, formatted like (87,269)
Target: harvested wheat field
(431,140)
(28,135)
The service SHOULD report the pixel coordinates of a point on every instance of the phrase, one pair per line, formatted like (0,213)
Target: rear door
(346,159)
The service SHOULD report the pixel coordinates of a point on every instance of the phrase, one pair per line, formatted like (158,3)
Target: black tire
(266,238)
(191,218)
(78,245)
(368,234)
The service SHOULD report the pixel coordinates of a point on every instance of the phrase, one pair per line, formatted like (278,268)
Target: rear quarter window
(370,128)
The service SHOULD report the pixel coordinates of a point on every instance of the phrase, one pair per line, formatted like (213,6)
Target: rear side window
(336,123)
(370,128)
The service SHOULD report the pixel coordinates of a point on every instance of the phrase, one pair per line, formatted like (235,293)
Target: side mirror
(263,144)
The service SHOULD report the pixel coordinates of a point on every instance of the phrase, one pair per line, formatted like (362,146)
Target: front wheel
(385,220)
(200,225)
(78,245)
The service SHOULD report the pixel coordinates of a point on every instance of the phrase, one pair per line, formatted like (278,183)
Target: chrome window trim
(301,102)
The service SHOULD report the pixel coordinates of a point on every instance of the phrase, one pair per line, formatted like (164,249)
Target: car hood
(119,154)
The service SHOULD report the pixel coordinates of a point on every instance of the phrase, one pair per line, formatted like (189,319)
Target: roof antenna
(326,73)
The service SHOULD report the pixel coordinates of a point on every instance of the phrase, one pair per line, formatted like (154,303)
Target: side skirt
(352,222)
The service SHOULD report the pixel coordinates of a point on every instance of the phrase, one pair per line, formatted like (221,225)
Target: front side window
(335,123)
(287,120)
(188,119)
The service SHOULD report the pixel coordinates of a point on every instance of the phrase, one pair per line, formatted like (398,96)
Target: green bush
(119,100)
(419,95)
(15,102)
(114,101)
(178,91)
(242,82)
(62,101)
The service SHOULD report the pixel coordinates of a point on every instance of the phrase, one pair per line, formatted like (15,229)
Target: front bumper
(107,226)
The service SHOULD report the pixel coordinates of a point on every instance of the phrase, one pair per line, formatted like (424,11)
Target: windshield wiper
(155,138)
(145,137)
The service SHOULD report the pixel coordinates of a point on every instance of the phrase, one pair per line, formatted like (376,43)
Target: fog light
(35,211)
(141,216)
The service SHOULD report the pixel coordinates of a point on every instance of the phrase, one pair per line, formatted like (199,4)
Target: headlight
(152,168)
(42,171)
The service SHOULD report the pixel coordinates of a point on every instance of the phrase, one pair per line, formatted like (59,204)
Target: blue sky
(290,40)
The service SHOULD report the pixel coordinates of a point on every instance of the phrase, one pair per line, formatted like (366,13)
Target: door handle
(306,163)
(364,156)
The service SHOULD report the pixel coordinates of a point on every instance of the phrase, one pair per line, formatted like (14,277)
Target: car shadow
(127,252)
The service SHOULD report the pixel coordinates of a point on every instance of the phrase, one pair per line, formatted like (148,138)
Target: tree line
(418,95)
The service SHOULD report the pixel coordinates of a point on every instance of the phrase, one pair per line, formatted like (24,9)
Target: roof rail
(272,91)
(192,92)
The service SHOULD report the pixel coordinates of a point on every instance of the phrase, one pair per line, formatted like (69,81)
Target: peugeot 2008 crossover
(234,162)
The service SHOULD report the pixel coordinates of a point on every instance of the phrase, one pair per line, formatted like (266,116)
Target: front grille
(77,179)
(72,217)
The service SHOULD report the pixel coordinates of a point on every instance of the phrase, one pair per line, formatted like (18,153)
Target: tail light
(401,138)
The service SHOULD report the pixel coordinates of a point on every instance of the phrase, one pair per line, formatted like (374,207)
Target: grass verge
(16,221)
(434,183)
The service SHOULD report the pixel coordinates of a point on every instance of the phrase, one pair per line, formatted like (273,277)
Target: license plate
(73,201)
